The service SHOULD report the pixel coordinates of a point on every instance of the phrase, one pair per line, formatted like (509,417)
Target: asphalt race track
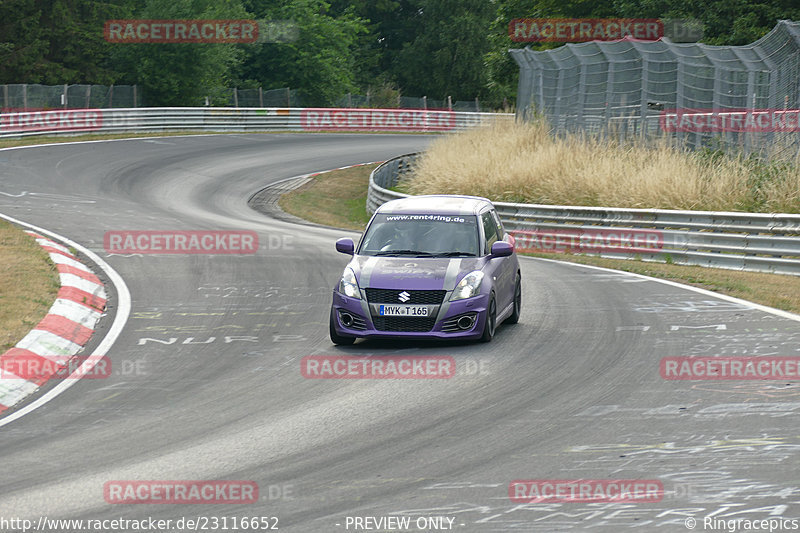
(208,383)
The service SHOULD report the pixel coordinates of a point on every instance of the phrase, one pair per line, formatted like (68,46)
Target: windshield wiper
(456,254)
(403,252)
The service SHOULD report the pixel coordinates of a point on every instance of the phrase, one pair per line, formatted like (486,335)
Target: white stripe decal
(366,271)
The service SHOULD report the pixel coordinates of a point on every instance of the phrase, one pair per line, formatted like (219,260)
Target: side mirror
(502,249)
(347,246)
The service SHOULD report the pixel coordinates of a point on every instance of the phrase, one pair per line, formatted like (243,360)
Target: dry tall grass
(523,162)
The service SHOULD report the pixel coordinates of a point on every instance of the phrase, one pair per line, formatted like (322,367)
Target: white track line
(120,319)
(752,305)
(104,141)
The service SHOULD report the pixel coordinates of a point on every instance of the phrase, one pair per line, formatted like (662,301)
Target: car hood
(413,273)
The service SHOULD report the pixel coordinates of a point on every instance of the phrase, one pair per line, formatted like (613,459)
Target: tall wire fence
(20,97)
(34,96)
(720,97)
(411,102)
(283,97)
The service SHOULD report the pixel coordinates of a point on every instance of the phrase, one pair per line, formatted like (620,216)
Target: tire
(490,325)
(342,340)
(514,318)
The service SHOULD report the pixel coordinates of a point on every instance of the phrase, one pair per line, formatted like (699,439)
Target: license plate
(403,310)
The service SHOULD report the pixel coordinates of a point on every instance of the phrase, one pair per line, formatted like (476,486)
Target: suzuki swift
(434,266)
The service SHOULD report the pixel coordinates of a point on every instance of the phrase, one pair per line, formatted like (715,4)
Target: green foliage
(182,74)
(725,22)
(390,25)
(321,63)
(437,48)
(446,56)
(57,41)
(384,96)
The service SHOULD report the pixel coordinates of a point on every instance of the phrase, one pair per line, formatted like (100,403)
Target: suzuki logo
(404,297)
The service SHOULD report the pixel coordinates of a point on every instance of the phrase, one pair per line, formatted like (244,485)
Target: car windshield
(422,236)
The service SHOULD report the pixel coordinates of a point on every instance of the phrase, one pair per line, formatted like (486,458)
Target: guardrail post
(260,97)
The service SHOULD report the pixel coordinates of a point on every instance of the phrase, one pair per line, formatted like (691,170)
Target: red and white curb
(63,332)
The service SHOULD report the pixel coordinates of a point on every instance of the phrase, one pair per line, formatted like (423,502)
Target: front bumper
(366,323)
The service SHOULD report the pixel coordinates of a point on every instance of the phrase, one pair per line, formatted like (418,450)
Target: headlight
(468,286)
(348,284)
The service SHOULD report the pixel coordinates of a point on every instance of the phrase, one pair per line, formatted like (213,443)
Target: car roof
(436,204)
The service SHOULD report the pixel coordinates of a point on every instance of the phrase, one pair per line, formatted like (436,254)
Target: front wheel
(491,320)
(342,340)
(514,318)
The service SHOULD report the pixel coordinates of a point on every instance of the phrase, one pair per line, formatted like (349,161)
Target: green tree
(725,22)
(391,24)
(446,58)
(57,41)
(320,63)
(180,74)
(22,46)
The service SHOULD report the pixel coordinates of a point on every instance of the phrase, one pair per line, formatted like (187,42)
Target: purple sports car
(428,267)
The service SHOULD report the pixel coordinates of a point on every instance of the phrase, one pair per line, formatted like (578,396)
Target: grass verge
(28,286)
(338,199)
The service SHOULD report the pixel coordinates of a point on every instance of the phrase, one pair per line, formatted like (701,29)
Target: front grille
(403,323)
(390,296)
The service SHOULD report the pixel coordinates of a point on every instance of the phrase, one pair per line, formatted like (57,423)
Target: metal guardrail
(756,242)
(217,119)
